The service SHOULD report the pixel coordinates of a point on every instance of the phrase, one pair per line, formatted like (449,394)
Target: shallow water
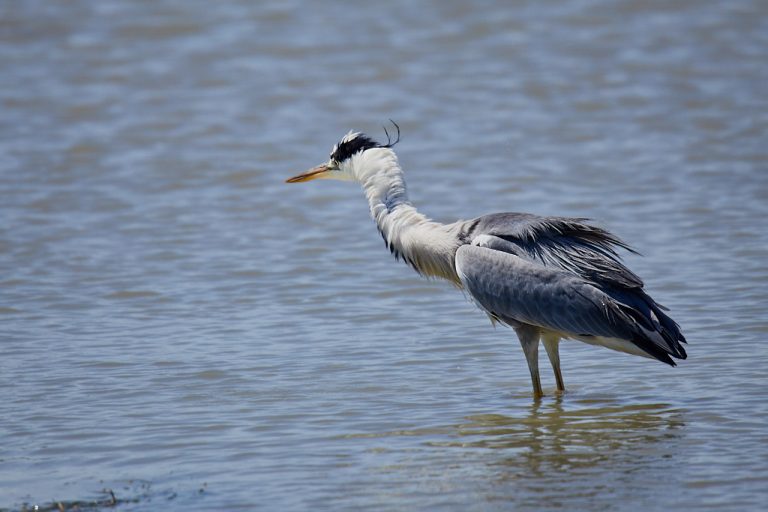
(180,326)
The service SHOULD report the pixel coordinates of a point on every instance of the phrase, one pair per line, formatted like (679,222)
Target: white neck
(428,246)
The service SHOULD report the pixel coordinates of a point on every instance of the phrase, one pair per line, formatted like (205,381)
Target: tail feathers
(651,329)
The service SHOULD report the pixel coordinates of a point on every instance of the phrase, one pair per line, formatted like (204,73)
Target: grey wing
(515,290)
(567,243)
(509,285)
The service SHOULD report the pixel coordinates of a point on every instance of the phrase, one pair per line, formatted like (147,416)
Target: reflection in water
(562,452)
(551,438)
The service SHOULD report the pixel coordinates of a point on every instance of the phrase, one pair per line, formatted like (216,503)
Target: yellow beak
(320,171)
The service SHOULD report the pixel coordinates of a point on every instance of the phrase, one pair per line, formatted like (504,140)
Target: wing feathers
(517,290)
(569,244)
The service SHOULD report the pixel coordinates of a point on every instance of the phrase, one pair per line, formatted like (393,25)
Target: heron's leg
(552,345)
(529,339)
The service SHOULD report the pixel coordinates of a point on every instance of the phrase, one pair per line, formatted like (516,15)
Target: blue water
(179,326)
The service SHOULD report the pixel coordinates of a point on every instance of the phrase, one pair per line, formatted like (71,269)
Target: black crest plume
(354,143)
(389,143)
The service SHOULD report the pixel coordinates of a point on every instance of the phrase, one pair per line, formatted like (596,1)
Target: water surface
(180,326)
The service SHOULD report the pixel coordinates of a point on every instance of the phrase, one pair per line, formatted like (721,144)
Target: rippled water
(181,327)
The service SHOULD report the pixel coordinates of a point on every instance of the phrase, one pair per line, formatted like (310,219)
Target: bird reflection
(551,438)
(577,454)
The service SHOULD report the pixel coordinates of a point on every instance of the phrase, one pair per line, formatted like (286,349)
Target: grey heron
(549,278)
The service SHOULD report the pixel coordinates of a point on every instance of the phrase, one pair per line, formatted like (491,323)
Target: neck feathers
(428,246)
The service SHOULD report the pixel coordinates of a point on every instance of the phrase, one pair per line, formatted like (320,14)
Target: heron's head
(346,158)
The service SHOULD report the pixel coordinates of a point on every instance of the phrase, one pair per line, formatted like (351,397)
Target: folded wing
(564,275)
